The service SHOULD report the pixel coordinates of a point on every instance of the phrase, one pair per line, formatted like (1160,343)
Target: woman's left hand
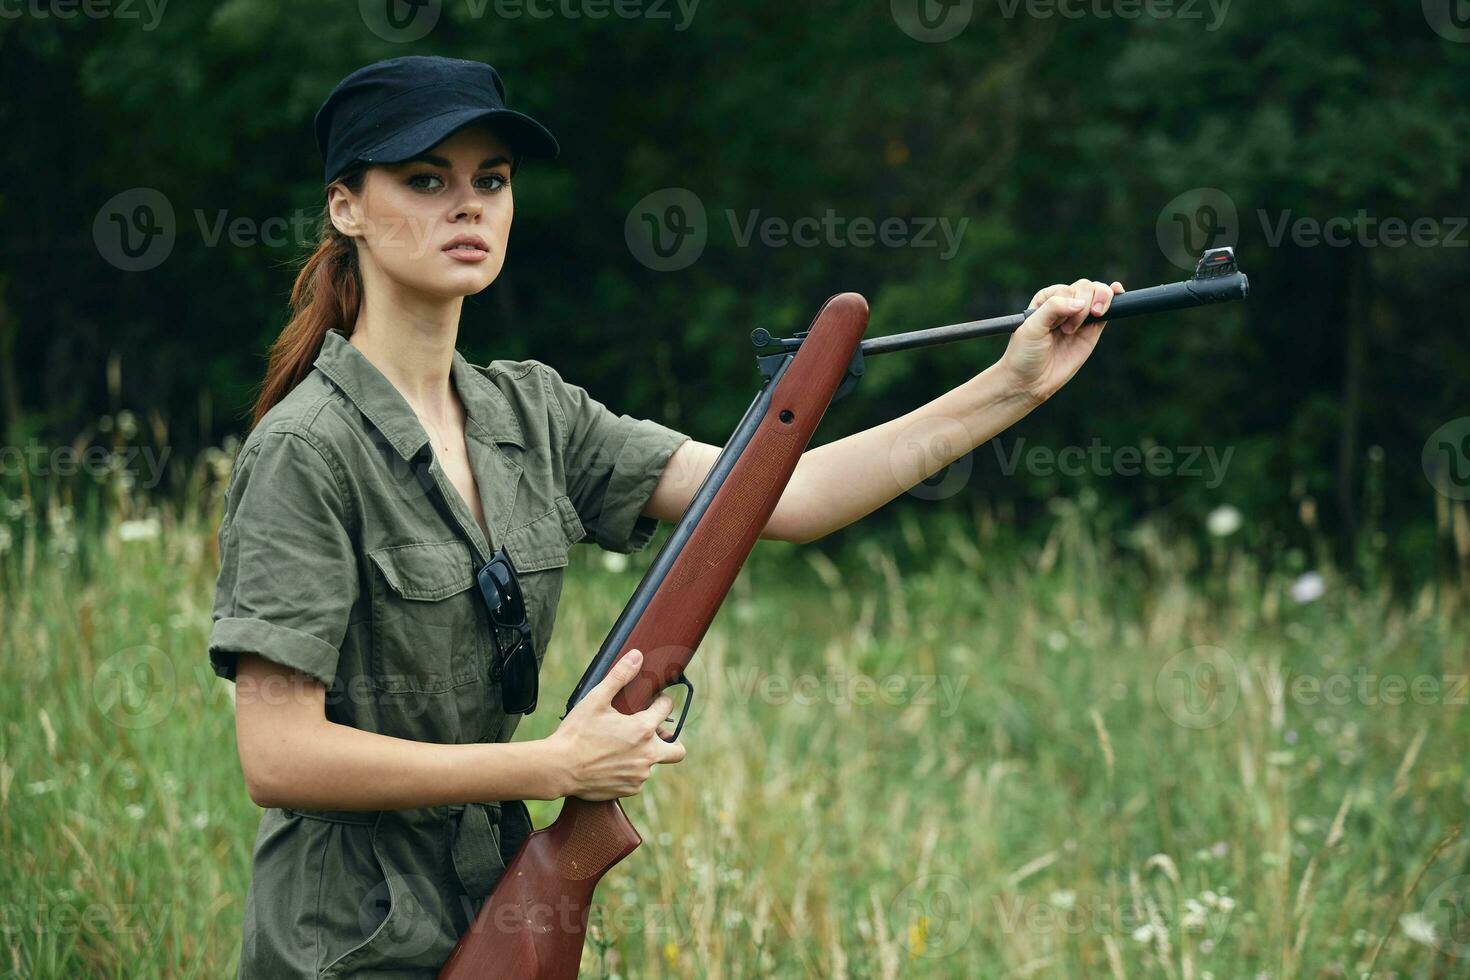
(1051,345)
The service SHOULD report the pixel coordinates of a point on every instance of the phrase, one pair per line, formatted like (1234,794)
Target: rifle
(533,923)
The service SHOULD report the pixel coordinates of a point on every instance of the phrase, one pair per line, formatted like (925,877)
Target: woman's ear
(343,208)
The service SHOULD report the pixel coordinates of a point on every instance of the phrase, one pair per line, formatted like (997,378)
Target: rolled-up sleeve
(612,463)
(288,576)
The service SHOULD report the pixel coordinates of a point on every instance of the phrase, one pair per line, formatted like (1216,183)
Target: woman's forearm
(845,480)
(292,756)
(337,767)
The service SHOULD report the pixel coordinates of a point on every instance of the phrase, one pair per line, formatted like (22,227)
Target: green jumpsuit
(347,554)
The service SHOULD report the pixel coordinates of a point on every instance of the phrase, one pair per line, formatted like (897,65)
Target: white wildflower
(1064,899)
(139,530)
(134,810)
(1195,915)
(1308,588)
(41,786)
(1223,521)
(1418,929)
(1144,933)
(614,562)
(200,820)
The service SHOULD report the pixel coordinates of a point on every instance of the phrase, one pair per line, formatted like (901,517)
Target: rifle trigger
(688,700)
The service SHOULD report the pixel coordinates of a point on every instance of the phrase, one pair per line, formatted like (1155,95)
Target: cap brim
(527,137)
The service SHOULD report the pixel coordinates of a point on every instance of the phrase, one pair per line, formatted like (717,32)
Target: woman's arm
(292,756)
(842,481)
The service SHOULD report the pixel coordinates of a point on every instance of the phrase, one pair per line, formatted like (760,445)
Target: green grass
(1049,777)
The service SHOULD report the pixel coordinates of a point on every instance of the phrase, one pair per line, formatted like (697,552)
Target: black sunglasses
(515,667)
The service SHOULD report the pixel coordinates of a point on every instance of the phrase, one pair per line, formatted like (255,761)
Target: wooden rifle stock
(533,923)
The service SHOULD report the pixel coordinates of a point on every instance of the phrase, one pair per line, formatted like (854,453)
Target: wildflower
(1064,899)
(1418,929)
(140,530)
(42,786)
(1308,588)
(200,820)
(614,562)
(918,937)
(134,810)
(1223,521)
(671,953)
(1144,934)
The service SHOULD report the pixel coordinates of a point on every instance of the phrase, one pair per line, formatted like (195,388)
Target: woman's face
(409,215)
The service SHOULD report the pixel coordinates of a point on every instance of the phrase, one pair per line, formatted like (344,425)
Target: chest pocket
(540,550)
(427,631)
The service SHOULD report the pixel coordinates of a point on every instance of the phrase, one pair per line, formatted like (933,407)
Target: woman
(375,698)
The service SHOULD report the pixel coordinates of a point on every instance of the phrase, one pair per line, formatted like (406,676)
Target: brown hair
(327,293)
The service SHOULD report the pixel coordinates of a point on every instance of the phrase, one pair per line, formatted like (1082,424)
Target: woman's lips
(466,253)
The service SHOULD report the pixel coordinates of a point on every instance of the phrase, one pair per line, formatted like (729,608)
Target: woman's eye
(495,182)
(413,181)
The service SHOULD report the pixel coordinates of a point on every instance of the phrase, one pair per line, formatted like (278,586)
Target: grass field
(954,757)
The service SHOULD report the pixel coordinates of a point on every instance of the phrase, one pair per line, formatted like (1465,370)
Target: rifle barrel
(1154,299)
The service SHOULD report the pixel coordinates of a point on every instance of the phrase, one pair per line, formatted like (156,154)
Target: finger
(672,752)
(1102,298)
(1081,290)
(1044,295)
(657,713)
(618,677)
(1057,310)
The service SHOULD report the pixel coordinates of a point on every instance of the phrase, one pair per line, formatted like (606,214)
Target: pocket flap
(544,542)
(428,572)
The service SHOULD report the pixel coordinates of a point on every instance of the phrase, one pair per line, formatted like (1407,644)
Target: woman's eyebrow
(439,161)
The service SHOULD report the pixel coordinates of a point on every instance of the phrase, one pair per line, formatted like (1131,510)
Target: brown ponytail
(327,293)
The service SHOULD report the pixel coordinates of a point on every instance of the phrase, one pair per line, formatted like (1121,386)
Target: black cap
(392,110)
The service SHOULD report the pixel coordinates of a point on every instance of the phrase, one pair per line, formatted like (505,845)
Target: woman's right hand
(605,753)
